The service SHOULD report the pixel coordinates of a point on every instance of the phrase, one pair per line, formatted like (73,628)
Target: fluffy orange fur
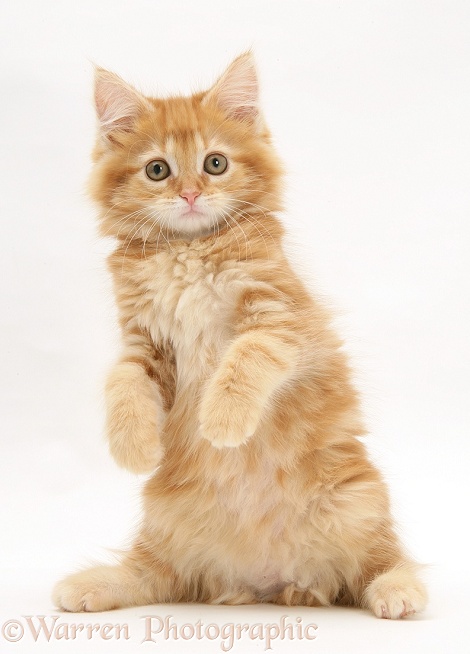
(231,388)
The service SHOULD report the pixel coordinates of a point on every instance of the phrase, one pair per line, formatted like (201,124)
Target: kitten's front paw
(133,407)
(227,420)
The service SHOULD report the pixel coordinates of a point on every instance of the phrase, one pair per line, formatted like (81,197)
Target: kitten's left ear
(236,92)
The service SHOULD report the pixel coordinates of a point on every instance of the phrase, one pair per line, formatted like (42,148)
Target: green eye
(157,170)
(215,164)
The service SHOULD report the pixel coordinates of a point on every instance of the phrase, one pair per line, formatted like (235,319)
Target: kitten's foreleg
(256,364)
(133,412)
(138,392)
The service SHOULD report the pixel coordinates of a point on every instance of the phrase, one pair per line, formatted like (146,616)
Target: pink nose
(190,196)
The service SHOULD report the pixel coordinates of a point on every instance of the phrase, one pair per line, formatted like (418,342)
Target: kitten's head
(186,166)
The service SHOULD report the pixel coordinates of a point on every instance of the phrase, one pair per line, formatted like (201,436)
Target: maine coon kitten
(231,387)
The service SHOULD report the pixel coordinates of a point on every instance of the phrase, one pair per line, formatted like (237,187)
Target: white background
(369,105)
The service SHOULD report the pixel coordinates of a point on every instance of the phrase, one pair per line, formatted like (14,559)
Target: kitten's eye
(215,164)
(157,170)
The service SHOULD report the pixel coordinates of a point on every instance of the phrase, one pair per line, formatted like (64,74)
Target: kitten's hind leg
(104,587)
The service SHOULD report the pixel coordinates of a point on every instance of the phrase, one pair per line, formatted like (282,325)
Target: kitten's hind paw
(102,588)
(84,592)
(397,593)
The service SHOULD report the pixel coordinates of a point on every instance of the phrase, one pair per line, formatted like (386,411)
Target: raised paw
(227,420)
(133,411)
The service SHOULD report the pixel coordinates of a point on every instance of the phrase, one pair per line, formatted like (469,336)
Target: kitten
(231,388)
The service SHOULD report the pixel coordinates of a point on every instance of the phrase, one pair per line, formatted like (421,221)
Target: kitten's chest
(186,301)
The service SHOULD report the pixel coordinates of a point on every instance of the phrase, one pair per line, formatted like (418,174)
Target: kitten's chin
(192,224)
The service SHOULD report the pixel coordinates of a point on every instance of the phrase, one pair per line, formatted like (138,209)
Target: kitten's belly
(255,529)
(241,529)
(266,581)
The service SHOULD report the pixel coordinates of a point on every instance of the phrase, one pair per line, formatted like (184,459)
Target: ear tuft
(236,92)
(118,104)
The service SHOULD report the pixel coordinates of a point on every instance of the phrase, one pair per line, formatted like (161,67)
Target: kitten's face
(186,167)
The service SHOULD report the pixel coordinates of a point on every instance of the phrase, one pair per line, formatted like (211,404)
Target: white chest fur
(186,300)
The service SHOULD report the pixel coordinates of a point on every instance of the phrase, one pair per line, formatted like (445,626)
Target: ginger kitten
(231,388)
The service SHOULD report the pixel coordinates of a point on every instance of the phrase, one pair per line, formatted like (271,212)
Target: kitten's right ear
(118,105)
